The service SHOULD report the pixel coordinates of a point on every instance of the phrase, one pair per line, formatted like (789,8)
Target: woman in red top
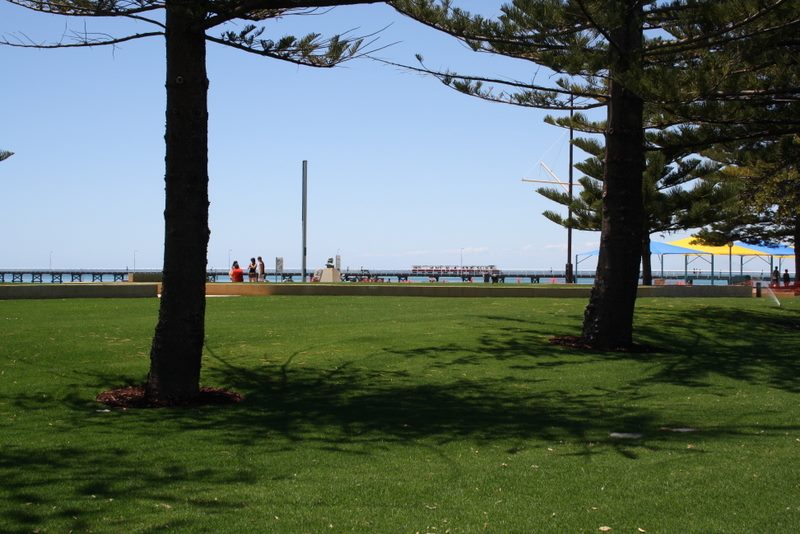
(237,274)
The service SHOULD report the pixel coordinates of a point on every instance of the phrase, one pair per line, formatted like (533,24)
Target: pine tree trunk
(608,319)
(178,342)
(647,264)
(796,255)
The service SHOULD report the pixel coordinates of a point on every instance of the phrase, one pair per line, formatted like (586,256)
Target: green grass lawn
(406,415)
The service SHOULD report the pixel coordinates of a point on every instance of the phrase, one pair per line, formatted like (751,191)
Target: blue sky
(402,170)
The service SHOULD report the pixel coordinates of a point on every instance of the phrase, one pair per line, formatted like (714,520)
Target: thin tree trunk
(177,346)
(647,264)
(796,255)
(608,319)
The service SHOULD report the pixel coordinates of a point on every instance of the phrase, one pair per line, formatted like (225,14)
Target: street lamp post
(304,217)
(568,186)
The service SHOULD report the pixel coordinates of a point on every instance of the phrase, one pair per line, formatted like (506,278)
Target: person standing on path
(786,278)
(251,270)
(261,271)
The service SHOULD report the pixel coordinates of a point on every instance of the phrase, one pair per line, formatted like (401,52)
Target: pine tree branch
(447,79)
(241,9)
(96,8)
(82,40)
(298,51)
(706,40)
(596,26)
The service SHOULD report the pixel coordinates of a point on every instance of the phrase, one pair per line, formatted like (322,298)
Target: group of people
(255,271)
(775,281)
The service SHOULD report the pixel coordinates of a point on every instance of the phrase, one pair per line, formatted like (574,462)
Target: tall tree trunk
(647,264)
(178,342)
(796,244)
(608,319)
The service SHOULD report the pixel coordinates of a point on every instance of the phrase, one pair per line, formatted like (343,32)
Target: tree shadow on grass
(344,410)
(519,344)
(357,404)
(353,404)
(351,409)
(79,488)
(756,347)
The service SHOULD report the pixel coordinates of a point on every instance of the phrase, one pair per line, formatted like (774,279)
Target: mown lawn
(405,415)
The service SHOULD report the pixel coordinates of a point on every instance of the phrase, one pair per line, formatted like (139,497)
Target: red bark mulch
(577,342)
(135,397)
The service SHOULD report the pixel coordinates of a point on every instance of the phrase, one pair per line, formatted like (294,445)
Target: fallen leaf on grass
(626,435)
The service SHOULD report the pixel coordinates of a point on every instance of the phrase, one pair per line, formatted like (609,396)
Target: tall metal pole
(305,213)
(568,270)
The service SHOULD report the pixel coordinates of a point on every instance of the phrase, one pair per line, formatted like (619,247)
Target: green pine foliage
(767,179)
(693,53)
(670,190)
(677,195)
(311,50)
(709,71)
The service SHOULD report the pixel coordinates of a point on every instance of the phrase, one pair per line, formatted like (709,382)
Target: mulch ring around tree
(136,397)
(577,342)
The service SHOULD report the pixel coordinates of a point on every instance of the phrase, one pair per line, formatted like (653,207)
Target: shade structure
(779,251)
(765,253)
(660,249)
(705,253)
(656,247)
(736,249)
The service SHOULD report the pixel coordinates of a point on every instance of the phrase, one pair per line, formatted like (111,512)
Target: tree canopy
(766,179)
(676,195)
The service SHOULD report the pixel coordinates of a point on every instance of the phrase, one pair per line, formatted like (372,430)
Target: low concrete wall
(421,290)
(239,289)
(78,291)
(412,290)
(150,290)
(145,277)
(695,291)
